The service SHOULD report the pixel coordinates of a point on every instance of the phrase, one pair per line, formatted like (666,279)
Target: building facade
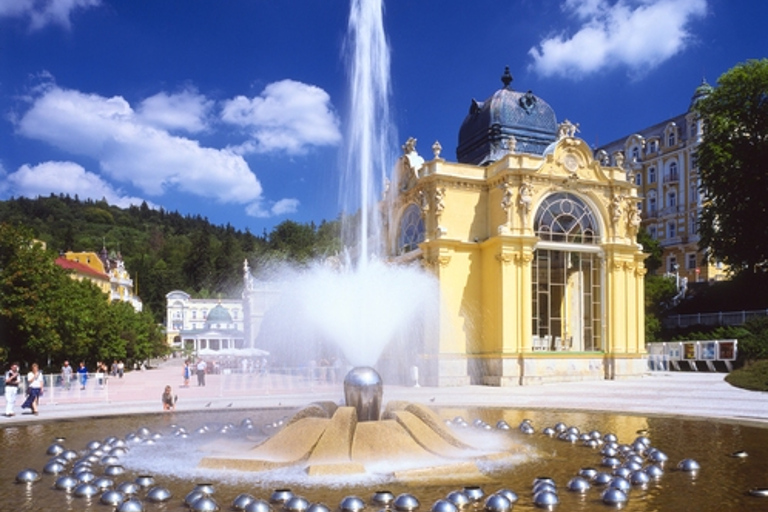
(533,243)
(661,161)
(187,317)
(106,271)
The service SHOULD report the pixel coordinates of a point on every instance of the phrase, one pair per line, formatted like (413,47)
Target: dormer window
(671,138)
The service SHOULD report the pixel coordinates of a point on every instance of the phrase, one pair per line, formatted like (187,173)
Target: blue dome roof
(484,133)
(219,315)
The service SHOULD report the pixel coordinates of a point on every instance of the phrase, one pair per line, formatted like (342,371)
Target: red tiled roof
(80,268)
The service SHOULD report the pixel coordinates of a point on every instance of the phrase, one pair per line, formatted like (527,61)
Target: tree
(733,162)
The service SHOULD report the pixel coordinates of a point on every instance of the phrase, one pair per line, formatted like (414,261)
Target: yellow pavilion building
(534,245)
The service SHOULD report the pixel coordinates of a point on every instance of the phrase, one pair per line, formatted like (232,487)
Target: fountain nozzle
(363,390)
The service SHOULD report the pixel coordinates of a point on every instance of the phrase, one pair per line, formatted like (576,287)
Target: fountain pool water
(722,483)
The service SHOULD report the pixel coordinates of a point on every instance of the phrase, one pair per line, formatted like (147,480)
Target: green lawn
(753,376)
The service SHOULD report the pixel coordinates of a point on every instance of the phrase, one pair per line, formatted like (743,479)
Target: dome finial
(506,78)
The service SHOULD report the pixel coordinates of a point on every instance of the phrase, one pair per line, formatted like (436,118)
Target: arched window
(652,205)
(411,230)
(672,199)
(673,176)
(563,217)
(671,138)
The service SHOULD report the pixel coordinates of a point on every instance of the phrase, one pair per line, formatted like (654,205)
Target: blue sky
(236,110)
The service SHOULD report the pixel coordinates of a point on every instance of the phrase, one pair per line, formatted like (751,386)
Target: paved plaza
(694,394)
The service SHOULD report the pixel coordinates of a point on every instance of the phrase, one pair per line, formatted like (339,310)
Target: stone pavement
(658,393)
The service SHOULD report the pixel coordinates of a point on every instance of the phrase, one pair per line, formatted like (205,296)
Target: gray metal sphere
(475,493)
(459,499)
(143,432)
(351,504)
(112,497)
(620,483)
(205,487)
(609,451)
(623,472)
(131,505)
(610,462)
(588,473)
(502,425)
(114,470)
(258,505)
(639,478)
(85,476)
(549,432)
(527,428)
(27,476)
(242,500)
(688,465)
(103,483)
(54,468)
(66,483)
(110,460)
(497,503)
(296,504)
(204,504)
(158,495)
(509,494)
(193,496)
(382,499)
(654,471)
(613,496)
(280,496)
(545,499)
(129,488)
(657,456)
(444,506)
(591,443)
(54,449)
(93,445)
(543,480)
(560,427)
(544,486)
(318,507)
(610,438)
(602,479)
(86,490)
(144,481)
(406,503)
(578,484)
(69,455)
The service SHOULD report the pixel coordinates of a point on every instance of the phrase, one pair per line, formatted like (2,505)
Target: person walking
(66,375)
(82,374)
(11,389)
(34,389)
(120,369)
(186,373)
(201,367)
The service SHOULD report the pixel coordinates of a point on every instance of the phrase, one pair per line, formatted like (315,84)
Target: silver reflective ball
(382,499)
(578,484)
(158,495)
(318,507)
(622,472)
(502,425)
(110,460)
(144,481)
(296,504)
(544,486)
(406,503)
(543,480)
(595,434)
(657,456)
(112,497)
(475,493)
(280,496)
(654,471)
(497,503)
(66,483)
(26,476)
(242,500)
(258,506)
(143,432)
(93,445)
(85,476)
(639,478)
(545,499)
(103,483)
(459,499)
(54,468)
(609,451)
(574,430)
(613,496)
(193,496)
(205,488)
(620,483)
(610,438)
(351,504)
(549,432)
(509,494)
(204,504)
(129,488)
(527,428)
(610,462)
(86,490)
(560,427)
(444,506)
(69,455)
(588,473)
(602,479)
(688,465)
(54,449)
(114,470)
(131,505)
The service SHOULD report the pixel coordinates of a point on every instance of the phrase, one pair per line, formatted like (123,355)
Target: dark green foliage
(733,162)
(164,251)
(743,292)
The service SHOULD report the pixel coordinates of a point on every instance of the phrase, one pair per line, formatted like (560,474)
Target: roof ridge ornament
(506,78)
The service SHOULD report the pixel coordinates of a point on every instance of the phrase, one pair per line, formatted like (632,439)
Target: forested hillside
(164,250)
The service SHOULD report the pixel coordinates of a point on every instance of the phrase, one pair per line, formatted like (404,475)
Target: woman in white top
(34,389)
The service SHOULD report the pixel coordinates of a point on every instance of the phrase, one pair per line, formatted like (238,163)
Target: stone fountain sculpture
(329,440)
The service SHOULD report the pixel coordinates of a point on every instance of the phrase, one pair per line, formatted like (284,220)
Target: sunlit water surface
(721,484)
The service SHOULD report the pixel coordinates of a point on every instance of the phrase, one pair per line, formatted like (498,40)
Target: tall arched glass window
(411,230)
(563,217)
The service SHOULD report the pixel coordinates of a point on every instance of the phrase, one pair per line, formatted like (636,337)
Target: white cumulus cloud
(44,12)
(185,111)
(131,148)
(287,116)
(65,178)
(636,34)
(281,207)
